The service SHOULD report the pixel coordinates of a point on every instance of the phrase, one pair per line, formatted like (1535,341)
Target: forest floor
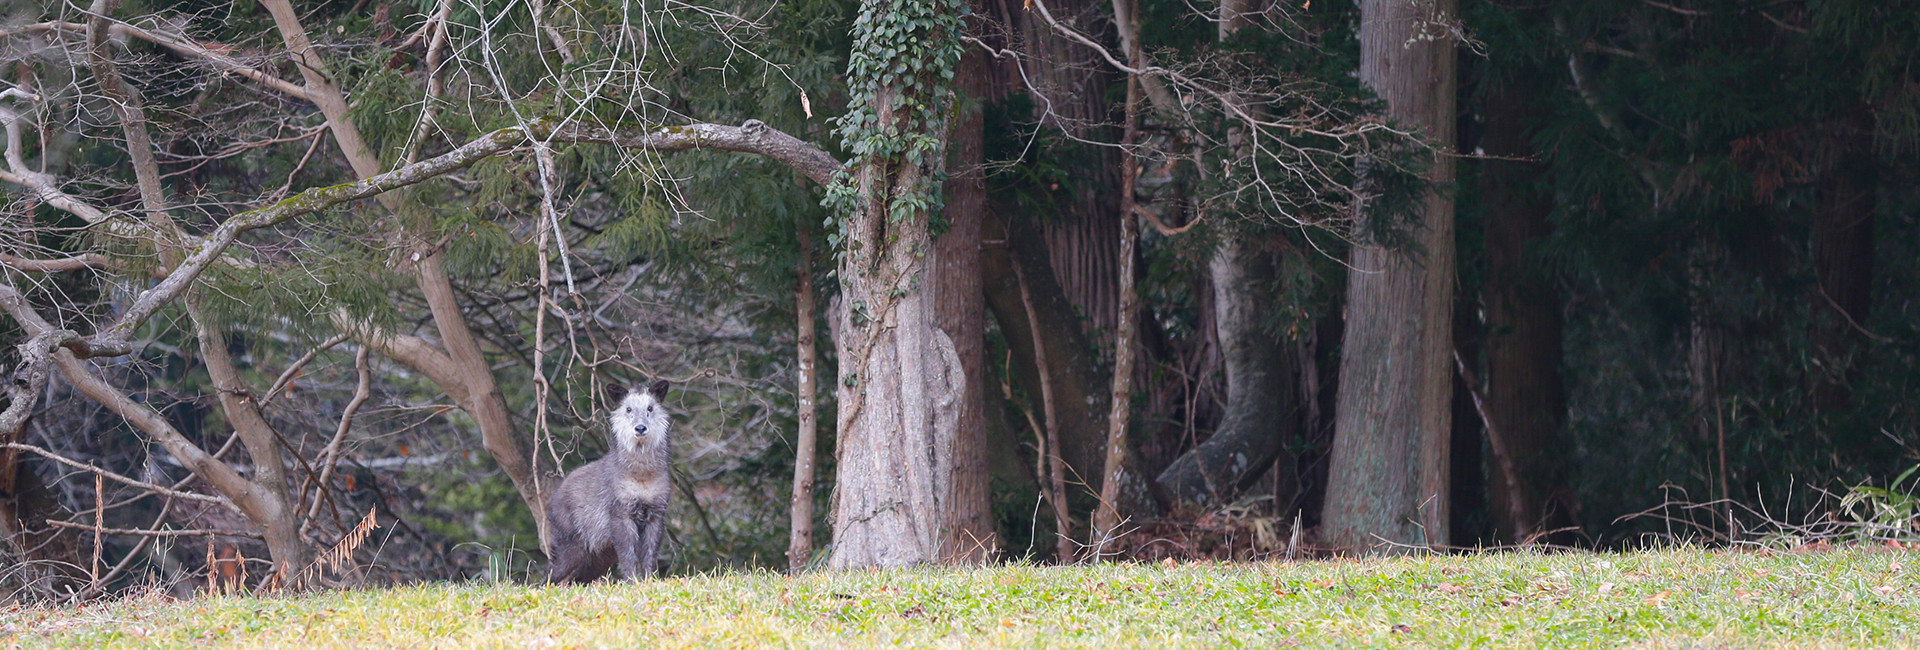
(1663,598)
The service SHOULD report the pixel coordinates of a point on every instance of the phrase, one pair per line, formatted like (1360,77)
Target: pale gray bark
(1261,404)
(807,439)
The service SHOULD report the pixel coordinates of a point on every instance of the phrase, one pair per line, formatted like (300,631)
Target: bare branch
(362,391)
(286,376)
(89,467)
(127,103)
(75,263)
(753,136)
(112,340)
(156,532)
(179,45)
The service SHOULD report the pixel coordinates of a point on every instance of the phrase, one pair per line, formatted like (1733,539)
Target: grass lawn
(1665,598)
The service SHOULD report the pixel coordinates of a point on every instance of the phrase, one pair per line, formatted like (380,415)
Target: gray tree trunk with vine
(901,381)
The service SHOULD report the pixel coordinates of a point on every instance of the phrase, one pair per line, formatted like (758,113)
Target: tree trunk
(901,379)
(1388,473)
(1262,413)
(1077,229)
(504,440)
(1706,355)
(1071,87)
(509,446)
(972,533)
(1078,383)
(1526,397)
(263,445)
(1107,513)
(1844,203)
(807,440)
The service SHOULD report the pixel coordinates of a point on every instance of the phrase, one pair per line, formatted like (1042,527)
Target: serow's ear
(613,392)
(658,388)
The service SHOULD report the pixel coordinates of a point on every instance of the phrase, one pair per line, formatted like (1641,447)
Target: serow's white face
(638,421)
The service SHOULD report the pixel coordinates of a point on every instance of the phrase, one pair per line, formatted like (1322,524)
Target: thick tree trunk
(1077,229)
(972,533)
(901,379)
(1526,397)
(807,440)
(1070,87)
(900,383)
(1078,383)
(1844,203)
(1261,411)
(1388,474)
(1262,399)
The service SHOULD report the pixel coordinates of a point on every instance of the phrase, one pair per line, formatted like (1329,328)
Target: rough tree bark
(1070,89)
(901,380)
(1388,472)
(1526,400)
(1071,94)
(972,534)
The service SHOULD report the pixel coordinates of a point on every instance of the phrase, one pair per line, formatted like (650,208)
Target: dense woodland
(314,293)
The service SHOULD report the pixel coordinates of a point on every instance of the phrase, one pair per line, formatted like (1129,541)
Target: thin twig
(286,376)
(330,457)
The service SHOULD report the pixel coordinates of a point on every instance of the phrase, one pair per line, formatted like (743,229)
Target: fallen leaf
(1606,587)
(1818,546)
(1448,588)
(1402,629)
(1659,599)
(1169,563)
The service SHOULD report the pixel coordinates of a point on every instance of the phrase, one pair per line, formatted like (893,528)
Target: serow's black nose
(641,428)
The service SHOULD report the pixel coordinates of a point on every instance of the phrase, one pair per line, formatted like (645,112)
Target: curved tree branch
(753,137)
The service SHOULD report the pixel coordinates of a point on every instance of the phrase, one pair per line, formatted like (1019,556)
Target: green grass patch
(1666,598)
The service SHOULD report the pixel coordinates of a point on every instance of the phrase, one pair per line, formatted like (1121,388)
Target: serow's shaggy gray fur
(614,509)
